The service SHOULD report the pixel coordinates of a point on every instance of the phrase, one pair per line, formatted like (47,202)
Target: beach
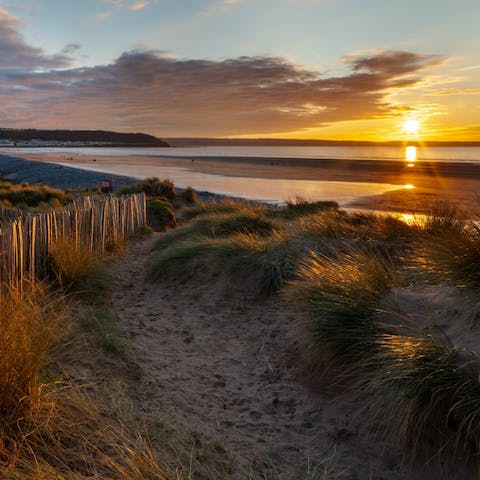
(387,185)
(249,340)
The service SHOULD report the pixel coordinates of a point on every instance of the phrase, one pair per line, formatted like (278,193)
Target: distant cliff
(32,137)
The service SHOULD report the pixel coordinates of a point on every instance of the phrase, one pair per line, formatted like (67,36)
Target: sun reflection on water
(411,155)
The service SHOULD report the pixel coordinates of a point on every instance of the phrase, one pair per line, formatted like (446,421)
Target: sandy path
(216,362)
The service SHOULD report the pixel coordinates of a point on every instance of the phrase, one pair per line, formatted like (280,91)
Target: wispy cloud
(103,16)
(134,6)
(457,91)
(470,67)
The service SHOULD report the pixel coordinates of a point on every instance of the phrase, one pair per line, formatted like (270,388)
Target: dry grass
(270,241)
(71,435)
(225,206)
(25,195)
(152,187)
(53,429)
(71,263)
(30,324)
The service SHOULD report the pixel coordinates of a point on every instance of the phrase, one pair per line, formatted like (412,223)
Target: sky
(324,69)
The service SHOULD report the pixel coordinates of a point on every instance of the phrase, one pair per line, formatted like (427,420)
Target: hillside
(44,138)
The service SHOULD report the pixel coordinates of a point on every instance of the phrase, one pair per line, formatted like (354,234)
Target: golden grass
(53,429)
(30,324)
(71,263)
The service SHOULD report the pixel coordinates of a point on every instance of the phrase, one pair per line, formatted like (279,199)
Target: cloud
(103,16)
(16,54)
(457,91)
(71,48)
(138,6)
(146,91)
(152,92)
(134,6)
(391,62)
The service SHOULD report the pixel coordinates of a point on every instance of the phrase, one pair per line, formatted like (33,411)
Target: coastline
(65,177)
(58,176)
(432,182)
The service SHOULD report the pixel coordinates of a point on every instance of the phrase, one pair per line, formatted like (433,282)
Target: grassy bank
(359,279)
(62,412)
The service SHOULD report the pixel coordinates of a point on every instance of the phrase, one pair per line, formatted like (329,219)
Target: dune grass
(160,213)
(451,249)
(270,240)
(25,195)
(71,263)
(340,295)
(52,428)
(31,324)
(224,206)
(152,187)
(103,324)
(70,435)
(175,258)
(189,195)
(300,207)
(218,225)
(421,385)
(268,260)
(429,391)
(340,268)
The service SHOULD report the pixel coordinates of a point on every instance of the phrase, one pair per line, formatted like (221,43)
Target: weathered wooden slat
(26,243)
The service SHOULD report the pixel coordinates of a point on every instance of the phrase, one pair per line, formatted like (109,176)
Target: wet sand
(432,182)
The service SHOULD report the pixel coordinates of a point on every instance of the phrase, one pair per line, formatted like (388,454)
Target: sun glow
(411,125)
(411,153)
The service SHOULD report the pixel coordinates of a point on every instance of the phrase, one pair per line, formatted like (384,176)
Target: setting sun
(411,125)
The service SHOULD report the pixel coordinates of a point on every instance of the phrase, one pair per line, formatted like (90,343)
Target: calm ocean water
(439,154)
(266,189)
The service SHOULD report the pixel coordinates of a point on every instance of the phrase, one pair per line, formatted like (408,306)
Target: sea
(436,154)
(141,163)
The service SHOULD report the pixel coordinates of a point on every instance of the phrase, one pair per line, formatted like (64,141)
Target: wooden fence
(92,222)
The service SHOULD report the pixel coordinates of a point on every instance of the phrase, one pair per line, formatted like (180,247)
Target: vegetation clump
(25,195)
(152,187)
(224,206)
(300,207)
(189,195)
(160,213)
(450,245)
(71,263)
(429,390)
(341,295)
